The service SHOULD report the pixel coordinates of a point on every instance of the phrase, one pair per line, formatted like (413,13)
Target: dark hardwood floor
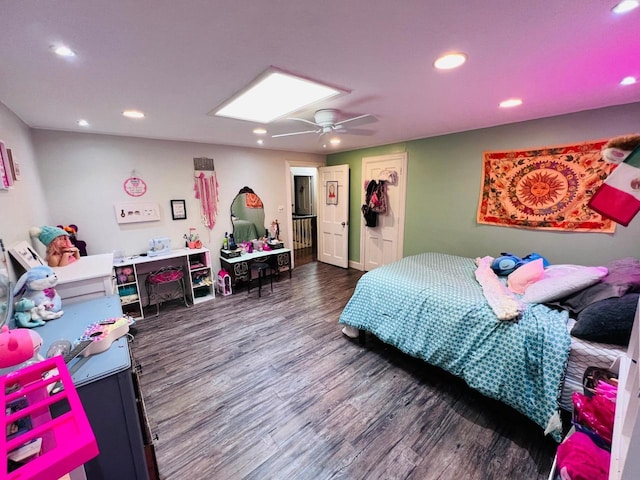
(243,387)
(302,256)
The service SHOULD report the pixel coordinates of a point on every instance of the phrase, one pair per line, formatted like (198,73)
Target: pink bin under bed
(67,440)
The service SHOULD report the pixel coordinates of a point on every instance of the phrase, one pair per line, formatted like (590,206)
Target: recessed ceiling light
(334,141)
(83,123)
(450,60)
(628,81)
(273,95)
(63,51)
(512,102)
(260,131)
(625,6)
(133,114)
(260,142)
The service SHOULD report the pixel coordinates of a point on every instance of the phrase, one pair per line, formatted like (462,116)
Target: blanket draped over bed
(431,307)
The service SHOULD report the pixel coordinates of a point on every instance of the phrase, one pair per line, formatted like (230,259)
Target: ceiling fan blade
(303,120)
(293,133)
(361,119)
(357,131)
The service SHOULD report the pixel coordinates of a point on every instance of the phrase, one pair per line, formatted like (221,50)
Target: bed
(432,307)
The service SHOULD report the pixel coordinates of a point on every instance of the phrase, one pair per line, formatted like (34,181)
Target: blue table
(105,384)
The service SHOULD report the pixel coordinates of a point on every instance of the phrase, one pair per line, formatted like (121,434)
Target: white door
(333,215)
(384,243)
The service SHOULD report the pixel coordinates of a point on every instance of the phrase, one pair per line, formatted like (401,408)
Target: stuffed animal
(507,263)
(40,312)
(38,285)
(18,346)
(22,314)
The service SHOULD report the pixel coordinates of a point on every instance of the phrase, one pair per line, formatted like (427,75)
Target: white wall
(84,176)
(23,205)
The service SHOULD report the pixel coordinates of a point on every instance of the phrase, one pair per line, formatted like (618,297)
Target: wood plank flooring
(268,388)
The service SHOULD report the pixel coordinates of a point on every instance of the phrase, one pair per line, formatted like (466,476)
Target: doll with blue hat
(60,250)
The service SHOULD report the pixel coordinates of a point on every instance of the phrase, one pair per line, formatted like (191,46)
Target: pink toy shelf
(67,440)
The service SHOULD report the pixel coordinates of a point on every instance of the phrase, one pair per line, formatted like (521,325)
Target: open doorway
(304,214)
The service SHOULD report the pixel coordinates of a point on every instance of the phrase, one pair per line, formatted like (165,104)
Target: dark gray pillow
(607,321)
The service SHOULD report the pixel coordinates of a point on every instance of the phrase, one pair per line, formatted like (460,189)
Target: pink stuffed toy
(18,345)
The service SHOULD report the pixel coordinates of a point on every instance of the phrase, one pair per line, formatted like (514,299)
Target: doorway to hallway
(304,215)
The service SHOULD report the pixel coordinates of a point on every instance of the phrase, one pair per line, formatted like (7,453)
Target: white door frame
(289,204)
(402,190)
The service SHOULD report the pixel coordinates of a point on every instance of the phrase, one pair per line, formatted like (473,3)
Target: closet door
(383,243)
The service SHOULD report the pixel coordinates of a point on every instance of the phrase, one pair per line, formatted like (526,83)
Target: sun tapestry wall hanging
(546,188)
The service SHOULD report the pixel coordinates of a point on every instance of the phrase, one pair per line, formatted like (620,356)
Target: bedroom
(444,171)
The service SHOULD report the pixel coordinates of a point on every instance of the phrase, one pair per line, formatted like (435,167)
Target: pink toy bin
(67,440)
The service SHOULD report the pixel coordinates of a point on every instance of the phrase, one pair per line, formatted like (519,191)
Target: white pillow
(558,286)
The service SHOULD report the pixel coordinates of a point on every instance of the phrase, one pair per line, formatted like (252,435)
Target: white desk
(196,263)
(88,277)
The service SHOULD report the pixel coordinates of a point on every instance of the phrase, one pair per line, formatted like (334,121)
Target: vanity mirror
(6,294)
(247,216)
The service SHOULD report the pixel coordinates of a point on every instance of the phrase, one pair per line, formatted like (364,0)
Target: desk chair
(165,276)
(263,269)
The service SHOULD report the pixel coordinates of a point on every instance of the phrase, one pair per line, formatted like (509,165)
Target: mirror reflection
(247,216)
(6,295)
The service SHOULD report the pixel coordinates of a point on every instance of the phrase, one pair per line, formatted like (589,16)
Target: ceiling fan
(325,122)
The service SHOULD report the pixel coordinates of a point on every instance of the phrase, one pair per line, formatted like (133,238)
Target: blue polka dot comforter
(430,306)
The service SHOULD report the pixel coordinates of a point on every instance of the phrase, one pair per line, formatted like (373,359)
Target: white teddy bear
(37,285)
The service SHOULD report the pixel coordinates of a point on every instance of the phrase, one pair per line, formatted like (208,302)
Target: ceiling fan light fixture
(272,95)
(450,61)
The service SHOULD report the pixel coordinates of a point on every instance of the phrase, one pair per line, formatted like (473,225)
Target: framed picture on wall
(178,210)
(5,167)
(332,192)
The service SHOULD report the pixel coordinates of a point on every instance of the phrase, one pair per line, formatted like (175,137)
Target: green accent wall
(443,187)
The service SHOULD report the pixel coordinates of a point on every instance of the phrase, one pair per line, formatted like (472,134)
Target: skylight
(273,95)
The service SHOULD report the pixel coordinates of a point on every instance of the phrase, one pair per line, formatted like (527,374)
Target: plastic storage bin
(67,440)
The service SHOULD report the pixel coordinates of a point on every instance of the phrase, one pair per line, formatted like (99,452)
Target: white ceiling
(177,60)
